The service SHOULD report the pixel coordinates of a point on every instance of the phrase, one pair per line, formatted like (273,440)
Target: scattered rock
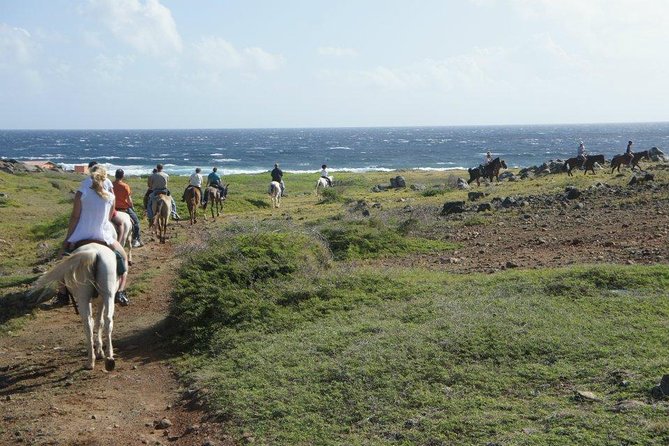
(484,207)
(508,202)
(473,196)
(511,264)
(462,184)
(398,182)
(572,193)
(365,213)
(39,269)
(585,396)
(417,187)
(627,405)
(453,207)
(657,155)
(163,424)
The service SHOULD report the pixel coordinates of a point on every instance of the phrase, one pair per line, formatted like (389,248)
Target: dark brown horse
(590,163)
(579,161)
(489,171)
(215,196)
(193,197)
(627,160)
(572,163)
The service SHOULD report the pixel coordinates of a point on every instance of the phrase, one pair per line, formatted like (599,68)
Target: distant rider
(277,175)
(195,180)
(488,158)
(581,154)
(214,180)
(628,153)
(324,174)
(158,184)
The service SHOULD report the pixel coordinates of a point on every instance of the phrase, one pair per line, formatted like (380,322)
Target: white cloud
(110,68)
(219,55)
(337,51)
(600,28)
(16,46)
(147,26)
(538,60)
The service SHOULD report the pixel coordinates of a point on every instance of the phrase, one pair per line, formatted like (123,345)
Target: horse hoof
(110,364)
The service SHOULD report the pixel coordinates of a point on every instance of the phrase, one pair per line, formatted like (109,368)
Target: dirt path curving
(46,398)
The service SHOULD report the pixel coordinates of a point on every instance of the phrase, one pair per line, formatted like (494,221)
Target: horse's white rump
(89,270)
(275,192)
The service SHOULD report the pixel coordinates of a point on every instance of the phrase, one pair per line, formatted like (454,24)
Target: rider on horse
(214,180)
(195,181)
(277,175)
(157,182)
(628,153)
(324,174)
(124,203)
(581,154)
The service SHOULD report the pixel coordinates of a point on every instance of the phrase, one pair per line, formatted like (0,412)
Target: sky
(77,64)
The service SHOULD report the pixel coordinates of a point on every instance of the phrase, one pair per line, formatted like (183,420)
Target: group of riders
(98,202)
(582,155)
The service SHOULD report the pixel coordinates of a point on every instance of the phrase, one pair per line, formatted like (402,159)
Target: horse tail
(76,267)
(159,209)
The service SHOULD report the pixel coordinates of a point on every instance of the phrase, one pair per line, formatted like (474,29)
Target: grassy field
(296,349)
(297,325)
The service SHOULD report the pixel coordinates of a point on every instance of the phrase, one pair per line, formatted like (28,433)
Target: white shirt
(195,180)
(324,173)
(94,221)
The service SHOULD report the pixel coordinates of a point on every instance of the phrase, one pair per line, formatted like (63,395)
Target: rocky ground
(601,224)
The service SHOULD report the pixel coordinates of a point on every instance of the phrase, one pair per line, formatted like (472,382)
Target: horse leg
(84,305)
(99,323)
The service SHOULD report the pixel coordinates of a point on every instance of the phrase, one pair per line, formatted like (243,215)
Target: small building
(81,168)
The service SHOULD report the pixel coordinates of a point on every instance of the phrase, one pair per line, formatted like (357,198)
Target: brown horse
(489,171)
(625,159)
(578,162)
(193,197)
(571,163)
(215,197)
(162,205)
(590,163)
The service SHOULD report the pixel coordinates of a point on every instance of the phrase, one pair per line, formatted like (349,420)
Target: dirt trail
(46,398)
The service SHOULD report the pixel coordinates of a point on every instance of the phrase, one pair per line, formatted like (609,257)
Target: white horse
(275,192)
(322,183)
(89,270)
(124,233)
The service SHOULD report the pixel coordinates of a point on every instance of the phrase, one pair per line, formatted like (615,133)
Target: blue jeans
(149,207)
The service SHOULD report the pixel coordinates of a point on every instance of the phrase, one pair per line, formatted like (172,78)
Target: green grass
(368,239)
(299,354)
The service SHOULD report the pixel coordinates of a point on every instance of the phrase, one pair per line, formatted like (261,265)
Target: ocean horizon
(357,149)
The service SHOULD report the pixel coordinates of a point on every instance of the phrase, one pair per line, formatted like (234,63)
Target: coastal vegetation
(336,319)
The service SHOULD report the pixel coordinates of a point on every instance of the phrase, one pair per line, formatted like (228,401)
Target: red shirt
(122,194)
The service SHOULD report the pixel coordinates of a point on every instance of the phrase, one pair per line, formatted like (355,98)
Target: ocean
(304,150)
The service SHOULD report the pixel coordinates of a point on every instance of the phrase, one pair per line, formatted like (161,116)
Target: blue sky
(224,64)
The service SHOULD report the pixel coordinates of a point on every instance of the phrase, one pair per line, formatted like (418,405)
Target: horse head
(503,164)
(224,192)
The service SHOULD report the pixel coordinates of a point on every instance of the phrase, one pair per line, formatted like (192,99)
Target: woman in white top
(195,180)
(91,220)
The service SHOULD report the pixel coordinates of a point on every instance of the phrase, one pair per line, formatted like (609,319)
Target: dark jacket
(277,174)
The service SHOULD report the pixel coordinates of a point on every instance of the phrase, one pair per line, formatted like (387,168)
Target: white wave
(225,160)
(215,154)
(134,157)
(110,157)
(340,148)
